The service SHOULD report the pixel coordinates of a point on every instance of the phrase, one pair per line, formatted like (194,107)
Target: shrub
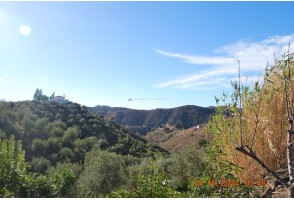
(39,146)
(41,164)
(66,154)
(54,144)
(103,172)
(182,168)
(151,182)
(70,135)
(15,181)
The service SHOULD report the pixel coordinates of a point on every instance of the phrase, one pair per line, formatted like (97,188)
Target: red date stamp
(229,183)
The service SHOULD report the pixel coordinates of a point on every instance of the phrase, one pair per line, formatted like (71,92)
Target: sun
(25,30)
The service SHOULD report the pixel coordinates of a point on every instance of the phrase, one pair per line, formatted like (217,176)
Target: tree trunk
(289,155)
(290,161)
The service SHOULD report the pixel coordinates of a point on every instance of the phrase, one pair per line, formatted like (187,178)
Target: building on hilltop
(60,99)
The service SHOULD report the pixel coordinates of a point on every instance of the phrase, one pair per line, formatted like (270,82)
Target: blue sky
(160,54)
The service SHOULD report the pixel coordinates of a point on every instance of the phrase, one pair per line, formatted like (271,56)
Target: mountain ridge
(143,121)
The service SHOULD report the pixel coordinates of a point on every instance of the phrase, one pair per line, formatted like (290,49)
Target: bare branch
(254,156)
(240,103)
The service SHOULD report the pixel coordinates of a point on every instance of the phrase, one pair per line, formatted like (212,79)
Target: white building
(60,99)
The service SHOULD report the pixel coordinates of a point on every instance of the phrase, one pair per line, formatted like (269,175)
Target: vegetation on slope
(53,132)
(174,138)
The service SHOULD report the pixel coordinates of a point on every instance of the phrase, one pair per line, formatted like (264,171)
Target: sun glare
(24,30)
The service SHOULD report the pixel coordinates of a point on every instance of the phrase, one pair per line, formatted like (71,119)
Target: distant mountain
(143,121)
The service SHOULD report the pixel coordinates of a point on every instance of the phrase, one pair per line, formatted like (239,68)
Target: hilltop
(55,132)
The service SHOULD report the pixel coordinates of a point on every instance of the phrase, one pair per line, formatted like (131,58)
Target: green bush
(151,182)
(12,168)
(15,181)
(27,123)
(41,164)
(41,124)
(182,168)
(70,135)
(54,144)
(220,170)
(103,172)
(61,166)
(2,134)
(57,132)
(39,146)
(75,168)
(66,154)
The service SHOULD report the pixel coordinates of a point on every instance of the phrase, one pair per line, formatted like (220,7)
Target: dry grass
(177,139)
(264,119)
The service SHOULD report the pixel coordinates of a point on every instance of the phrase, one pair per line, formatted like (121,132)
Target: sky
(141,55)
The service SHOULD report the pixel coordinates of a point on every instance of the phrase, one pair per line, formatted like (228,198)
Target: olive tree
(103,172)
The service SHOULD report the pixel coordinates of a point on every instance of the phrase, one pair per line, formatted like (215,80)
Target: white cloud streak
(199,60)
(222,69)
(194,79)
(25,30)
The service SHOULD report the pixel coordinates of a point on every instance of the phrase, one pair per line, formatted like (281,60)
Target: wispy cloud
(196,78)
(25,30)
(223,67)
(200,60)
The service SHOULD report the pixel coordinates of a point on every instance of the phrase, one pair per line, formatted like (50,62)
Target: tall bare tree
(278,77)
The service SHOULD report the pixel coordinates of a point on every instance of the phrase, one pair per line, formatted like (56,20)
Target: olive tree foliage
(70,135)
(15,181)
(150,182)
(12,168)
(40,164)
(39,146)
(254,126)
(103,172)
(60,168)
(182,168)
(66,154)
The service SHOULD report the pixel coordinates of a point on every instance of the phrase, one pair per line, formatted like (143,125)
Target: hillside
(172,138)
(143,121)
(55,132)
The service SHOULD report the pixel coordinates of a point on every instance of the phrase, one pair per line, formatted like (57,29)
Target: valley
(172,129)
(144,121)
